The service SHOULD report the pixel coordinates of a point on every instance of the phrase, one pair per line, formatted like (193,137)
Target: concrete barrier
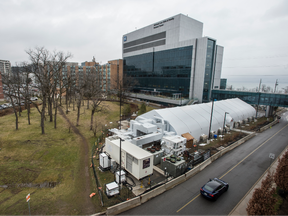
(155,192)
(124,206)
(205,164)
(268,126)
(192,172)
(215,156)
(169,185)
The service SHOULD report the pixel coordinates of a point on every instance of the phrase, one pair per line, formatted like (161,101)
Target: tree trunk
(92,114)
(50,109)
(43,115)
(74,104)
(78,115)
(88,104)
(28,113)
(15,112)
(55,115)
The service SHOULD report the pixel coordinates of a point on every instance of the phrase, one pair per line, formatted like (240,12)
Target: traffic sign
(28,197)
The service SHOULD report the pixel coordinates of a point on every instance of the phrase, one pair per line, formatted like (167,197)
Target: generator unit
(112,189)
(104,161)
(122,178)
(175,166)
(157,155)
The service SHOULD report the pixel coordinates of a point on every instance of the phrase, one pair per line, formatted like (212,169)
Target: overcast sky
(253,32)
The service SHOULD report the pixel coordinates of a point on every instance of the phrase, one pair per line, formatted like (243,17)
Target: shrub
(263,201)
(281,174)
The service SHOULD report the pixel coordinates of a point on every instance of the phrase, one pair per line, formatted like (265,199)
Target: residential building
(1,89)
(5,66)
(111,73)
(172,58)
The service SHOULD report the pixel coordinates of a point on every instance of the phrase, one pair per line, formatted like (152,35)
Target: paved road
(241,168)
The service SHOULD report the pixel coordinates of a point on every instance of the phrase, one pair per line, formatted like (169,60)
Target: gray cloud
(250,31)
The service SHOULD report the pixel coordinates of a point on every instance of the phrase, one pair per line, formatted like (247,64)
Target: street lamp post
(120,146)
(224,130)
(211,118)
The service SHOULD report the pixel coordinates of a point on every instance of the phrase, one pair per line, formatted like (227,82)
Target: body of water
(252,82)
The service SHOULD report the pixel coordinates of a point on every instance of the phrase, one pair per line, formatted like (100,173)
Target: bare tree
(285,90)
(79,93)
(26,88)
(10,80)
(45,65)
(95,92)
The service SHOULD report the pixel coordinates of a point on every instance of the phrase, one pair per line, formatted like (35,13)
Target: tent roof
(195,119)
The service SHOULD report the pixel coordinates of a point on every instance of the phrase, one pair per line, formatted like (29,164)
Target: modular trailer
(135,160)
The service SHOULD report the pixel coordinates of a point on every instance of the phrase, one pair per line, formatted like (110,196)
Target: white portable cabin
(135,160)
(112,189)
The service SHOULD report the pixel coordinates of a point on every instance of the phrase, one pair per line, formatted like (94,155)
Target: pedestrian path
(240,208)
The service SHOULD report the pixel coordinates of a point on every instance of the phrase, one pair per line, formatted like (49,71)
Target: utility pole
(276,84)
(258,97)
(211,118)
(120,156)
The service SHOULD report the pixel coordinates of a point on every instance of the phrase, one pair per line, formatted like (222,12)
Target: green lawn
(30,161)
(27,157)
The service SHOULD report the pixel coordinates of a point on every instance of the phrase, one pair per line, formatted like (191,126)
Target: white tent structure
(195,119)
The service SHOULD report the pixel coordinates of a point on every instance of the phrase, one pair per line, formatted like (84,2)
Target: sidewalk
(240,208)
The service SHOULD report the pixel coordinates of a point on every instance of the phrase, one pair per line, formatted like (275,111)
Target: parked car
(4,106)
(1,108)
(214,188)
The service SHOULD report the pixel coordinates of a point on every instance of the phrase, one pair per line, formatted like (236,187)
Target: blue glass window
(168,71)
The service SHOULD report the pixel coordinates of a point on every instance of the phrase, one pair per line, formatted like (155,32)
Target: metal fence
(95,175)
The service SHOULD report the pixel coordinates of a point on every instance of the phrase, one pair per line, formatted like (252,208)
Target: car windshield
(212,185)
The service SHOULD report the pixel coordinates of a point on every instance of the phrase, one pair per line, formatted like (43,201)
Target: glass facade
(166,71)
(223,83)
(208,77)
(262,98)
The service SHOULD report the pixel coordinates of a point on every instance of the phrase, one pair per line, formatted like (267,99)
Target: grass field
(47,166)
(28,158)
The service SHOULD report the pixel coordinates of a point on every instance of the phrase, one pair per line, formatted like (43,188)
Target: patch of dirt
(87,208)
(7,158)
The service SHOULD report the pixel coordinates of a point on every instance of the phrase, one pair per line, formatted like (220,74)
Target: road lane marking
(188,202)
(234,166)
(252,152)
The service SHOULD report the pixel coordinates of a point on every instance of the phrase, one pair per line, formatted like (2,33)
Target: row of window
(159,69)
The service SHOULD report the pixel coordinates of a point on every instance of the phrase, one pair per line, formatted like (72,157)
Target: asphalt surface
(241,168)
